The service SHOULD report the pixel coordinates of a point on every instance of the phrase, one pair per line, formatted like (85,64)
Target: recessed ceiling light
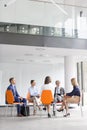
(44,55)
(46,60)
(19,59)
(58,56)
(40,49)
(31,60)
(28,54)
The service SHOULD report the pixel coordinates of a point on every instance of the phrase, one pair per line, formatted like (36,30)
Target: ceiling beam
(73,5)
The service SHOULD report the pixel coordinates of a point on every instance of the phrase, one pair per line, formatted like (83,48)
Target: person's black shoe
(49,116)
(44,108)
(68,114)
(60,110)
(19,115)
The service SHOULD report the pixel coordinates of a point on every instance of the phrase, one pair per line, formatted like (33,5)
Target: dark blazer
(62,92)
(75,92)
(15,93)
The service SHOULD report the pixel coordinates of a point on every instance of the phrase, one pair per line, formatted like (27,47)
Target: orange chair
(46,97)
(28,98)
(9,97)
(10,100)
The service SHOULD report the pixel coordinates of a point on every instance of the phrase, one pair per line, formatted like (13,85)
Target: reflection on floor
(41,122)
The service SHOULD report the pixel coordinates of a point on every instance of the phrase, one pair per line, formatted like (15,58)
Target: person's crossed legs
(66,101)
(35,101)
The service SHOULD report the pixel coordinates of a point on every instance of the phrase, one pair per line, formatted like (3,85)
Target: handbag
(25,110)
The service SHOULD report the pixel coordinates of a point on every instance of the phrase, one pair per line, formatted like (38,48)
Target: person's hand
(21,98)
(64,95)
(38,96)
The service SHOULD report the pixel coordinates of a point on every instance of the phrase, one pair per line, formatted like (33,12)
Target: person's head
(47,80)
(33,83)
(12,81)
(57,83)
(74,82)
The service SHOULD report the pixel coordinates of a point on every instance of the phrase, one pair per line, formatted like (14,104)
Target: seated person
(17,97)
(72,97)
(48,86)
(34,96)
(58,95)
(59,92)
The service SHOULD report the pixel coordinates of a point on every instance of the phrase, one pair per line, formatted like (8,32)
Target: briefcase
(25,111)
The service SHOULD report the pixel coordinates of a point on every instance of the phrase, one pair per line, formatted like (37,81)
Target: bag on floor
(25,111)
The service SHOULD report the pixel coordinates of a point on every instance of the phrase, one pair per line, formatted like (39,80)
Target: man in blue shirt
(34,96)
(17,97)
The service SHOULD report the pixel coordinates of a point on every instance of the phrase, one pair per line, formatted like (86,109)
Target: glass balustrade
(38,30)
(42,17)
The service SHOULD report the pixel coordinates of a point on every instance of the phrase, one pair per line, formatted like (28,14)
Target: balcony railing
(39,30)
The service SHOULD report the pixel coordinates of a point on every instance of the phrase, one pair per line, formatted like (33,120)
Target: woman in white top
(48,86)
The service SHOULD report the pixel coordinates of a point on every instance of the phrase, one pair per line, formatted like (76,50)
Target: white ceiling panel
(43,55)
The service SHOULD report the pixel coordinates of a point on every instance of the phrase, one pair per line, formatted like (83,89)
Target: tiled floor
(41,122)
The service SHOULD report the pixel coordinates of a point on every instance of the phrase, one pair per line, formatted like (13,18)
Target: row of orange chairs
(46,97)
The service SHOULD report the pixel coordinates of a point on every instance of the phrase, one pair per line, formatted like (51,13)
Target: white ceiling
(38,13)
(43,55)
(68,2)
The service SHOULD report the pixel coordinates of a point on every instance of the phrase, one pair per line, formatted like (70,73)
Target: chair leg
(81,110)
(11,110)
(54,109)
(14,110)
(40,111)
(7,110)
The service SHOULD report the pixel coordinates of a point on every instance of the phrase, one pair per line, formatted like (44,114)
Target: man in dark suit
(17,97)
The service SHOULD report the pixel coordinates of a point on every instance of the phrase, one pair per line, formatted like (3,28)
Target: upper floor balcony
(39,30)
(57,18)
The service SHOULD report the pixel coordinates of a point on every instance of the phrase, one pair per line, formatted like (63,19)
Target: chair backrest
(28,96)
(9,97)
(46,97)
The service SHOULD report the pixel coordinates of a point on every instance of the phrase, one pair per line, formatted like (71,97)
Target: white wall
(23,73)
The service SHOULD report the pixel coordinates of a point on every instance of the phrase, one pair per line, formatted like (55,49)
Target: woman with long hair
(72,97)
(48,86)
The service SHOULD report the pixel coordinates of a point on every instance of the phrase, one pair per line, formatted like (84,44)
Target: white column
(70,71)
(0,86)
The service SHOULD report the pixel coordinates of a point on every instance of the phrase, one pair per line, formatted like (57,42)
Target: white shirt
(58,89)
(33,91)
(13,88)
(48,87)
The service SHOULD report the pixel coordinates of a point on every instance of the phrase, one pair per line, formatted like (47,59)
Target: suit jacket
(14,91)
(62,92)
